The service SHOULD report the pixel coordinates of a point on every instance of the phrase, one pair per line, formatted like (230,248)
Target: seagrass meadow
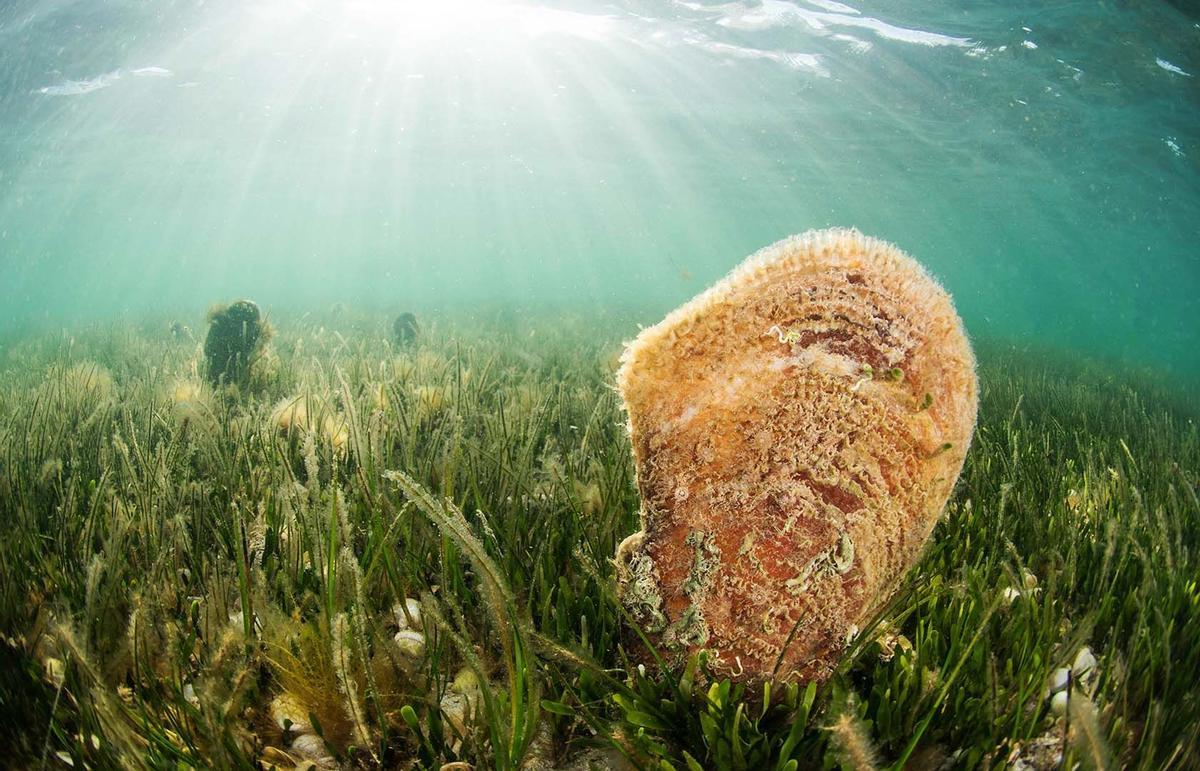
(477,462)
(381,555)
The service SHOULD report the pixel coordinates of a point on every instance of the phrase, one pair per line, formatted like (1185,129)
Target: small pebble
(1084,662)
(310,747)
(411,643)
(1062,678)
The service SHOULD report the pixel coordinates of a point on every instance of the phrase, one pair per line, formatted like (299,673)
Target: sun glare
(496,19)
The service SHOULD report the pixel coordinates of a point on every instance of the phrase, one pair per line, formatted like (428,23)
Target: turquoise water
(441,156)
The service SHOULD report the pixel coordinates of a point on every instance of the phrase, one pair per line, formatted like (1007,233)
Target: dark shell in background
(235,337)
(405,329)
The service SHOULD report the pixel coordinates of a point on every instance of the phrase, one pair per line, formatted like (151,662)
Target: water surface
(455,155)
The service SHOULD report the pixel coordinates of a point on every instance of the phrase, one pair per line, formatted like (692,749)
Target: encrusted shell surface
(797,430)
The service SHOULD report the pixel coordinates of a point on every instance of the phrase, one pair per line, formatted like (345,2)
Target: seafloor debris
(462,704)
(1041,754)
(797,429)
(1083,674)
(236,337)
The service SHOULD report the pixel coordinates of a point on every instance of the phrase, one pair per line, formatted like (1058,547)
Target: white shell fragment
(1084,662)
(411,643)
(414,610)
(1061,679)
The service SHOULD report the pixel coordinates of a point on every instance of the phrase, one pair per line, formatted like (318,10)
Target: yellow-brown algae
(797,429)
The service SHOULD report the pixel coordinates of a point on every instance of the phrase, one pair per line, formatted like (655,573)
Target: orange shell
(797,430)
